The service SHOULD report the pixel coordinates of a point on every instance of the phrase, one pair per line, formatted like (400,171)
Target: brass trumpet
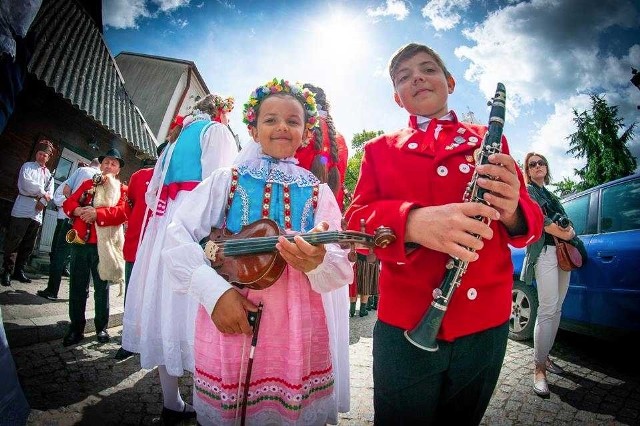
(72,237)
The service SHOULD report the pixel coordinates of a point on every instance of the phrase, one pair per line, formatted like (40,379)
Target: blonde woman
(541,262)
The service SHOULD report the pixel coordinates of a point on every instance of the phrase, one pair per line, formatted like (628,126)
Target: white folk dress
(159,323)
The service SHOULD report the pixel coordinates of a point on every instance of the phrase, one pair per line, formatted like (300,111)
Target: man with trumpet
(97,209)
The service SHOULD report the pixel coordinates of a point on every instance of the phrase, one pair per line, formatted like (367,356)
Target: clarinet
(423,335)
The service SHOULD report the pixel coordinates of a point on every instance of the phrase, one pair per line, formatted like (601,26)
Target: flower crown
(305,96)
(223,104)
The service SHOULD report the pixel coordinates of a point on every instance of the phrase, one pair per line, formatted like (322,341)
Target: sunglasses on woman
(540,163)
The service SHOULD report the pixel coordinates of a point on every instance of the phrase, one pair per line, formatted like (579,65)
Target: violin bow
(255,318)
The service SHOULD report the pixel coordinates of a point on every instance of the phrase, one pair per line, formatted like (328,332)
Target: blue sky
(550,54)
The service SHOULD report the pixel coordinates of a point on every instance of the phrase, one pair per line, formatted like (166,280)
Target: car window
(621,207)
(577,210)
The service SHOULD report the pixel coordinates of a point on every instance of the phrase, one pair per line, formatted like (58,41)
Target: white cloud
(550,137)
(169,5)
(549,52)
(443,14)
(122,14)
(544,50)
(395,8)
(180,23)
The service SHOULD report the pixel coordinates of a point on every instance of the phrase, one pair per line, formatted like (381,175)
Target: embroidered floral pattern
(289,396)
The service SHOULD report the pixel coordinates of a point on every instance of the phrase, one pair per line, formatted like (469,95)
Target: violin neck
(235,247)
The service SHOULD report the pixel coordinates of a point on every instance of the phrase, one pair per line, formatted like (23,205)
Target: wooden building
(161,87)
(75,96)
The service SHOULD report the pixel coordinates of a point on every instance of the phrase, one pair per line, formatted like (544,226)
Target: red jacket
(306,155)
(106,216)
(409,169)
(136,207)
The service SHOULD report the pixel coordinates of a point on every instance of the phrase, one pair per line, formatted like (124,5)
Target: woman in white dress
(159,323)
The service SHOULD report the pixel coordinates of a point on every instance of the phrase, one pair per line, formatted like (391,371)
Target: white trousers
(552,284)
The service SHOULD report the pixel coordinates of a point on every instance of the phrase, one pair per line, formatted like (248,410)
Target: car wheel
(524,310)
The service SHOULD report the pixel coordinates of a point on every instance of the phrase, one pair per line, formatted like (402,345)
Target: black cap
(113,153)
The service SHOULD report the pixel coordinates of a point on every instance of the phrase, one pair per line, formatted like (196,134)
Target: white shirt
(80,175)
(31,184)
(58,199)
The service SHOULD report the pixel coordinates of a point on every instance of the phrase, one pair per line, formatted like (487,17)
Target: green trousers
(452,385)
(84,265)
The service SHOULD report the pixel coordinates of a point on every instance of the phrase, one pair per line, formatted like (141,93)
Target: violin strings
(267,244)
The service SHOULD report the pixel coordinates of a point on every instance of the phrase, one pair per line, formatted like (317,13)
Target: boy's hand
(301,255)
(504,187)
(230,313)
(449,228)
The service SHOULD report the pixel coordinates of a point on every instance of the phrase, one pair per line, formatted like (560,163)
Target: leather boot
(374,303)
(6,279)
(20,276)
(352,309)
(363,309)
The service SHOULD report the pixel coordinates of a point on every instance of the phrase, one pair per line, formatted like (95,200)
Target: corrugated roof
(72,58)
(151,84)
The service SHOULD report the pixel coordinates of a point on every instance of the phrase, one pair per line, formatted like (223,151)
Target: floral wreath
(306,96)
(223,104)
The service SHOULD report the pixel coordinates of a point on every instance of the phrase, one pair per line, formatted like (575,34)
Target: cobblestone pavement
(84,385)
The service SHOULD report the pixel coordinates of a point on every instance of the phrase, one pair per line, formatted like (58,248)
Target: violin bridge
(211,250)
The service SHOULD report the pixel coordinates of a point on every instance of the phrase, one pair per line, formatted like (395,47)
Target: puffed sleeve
(29,182)
(336,269)
(58,195)
(218,148)
(198,211)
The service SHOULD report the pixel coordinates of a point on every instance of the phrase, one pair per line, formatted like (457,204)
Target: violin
(250,259)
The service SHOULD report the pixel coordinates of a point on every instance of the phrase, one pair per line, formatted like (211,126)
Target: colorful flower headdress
(224,104)
(306,96)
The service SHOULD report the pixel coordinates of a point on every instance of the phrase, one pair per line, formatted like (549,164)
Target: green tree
(565,187)
(597,140)
(353,165)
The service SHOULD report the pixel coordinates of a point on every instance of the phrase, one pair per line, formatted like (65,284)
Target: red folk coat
(136,207)
(106,216)
(410,169)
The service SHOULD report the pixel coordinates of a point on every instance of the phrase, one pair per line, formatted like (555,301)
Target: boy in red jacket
(413,181)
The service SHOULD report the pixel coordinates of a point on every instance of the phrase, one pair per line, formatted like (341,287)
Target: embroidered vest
(185,162)
(291,206)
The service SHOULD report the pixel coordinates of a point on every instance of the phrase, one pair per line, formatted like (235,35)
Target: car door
(582,211)
(604,294)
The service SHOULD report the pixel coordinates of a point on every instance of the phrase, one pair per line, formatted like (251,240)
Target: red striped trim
(266,379)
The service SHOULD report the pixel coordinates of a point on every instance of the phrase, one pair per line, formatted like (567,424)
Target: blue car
(604,294)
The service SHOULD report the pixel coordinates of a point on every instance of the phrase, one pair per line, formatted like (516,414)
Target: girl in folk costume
(301,356)
(327,154)
(158,323)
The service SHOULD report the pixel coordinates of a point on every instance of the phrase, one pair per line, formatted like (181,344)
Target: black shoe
(72,338)
(20,276)
(46,295)
(6,279)
(171,417)
(352,309)
(363,311)
(103,336)
(122,354)
(66,273)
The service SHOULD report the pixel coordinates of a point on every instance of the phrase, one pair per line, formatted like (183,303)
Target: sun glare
(340,38)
